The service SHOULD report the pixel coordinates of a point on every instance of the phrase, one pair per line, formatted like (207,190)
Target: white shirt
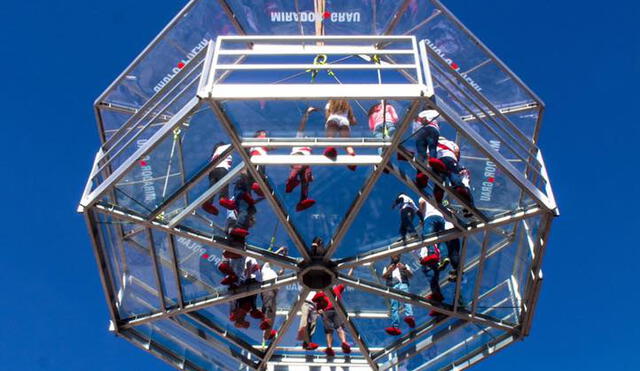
(447,148)
(300,150)
(267,272)
(429,210)
(252,269)
(226,164)
(407,202)
(396,276)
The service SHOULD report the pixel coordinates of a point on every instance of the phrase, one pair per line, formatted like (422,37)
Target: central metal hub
(318,276)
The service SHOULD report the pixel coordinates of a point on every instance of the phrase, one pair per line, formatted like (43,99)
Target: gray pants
(308,320)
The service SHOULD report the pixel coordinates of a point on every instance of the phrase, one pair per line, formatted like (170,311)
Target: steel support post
(213,241)
(263,183)
(394,294)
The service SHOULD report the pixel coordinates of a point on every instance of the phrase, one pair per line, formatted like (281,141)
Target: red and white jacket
(255,151)
(447,148)
(226,164)
(321,300)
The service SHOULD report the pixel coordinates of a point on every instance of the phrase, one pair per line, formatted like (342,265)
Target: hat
(429,115)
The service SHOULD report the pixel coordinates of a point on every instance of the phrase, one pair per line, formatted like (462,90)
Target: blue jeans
(406,221)
(395,306)
(453,252)
(454,171)
(378,132)
(433,224)
(427,141)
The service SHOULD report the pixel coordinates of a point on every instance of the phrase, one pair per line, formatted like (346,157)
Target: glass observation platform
(256,77)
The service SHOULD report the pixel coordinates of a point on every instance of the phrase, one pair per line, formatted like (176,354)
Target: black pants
(214,176)
(269,304)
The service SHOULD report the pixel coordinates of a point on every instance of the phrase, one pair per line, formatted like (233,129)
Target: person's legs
(432,274)
(395,316)
(406,222)
(269,308)
(292,180)
(453,252)
(306,177)
(345,132)
(408,309)
(454,171)
(331,129)
(421,145)
(431,138)
(378,133)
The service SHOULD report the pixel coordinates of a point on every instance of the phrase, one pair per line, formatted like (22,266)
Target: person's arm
(305,118)
(352,118)
(388,271)
(396,203)
(393,113)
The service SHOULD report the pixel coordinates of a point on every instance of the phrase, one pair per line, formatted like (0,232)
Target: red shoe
(409,320)
(329,352)
(257,314)
(463,192)
(309,346)
(330,152)
(265,324)
(346,348)
(270,334)
(393,331)
(292,183)
(225,268)
(242,324)
(305,204)
(437,165)
(228,204)
(231,255)
(234,316)
(228,280)
(430,259)
(239,232)
(422,180)
(256,188)
(208,207)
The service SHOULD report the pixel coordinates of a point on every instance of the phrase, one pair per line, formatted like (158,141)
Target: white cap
(429,114)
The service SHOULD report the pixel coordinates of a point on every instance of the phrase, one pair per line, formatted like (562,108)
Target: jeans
(378,132)
(432,274)
(395,306)
(427,142)
(269,305)
(453,252)
(406,221)
(454,171)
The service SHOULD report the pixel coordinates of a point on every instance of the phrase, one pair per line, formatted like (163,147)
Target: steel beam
(262,181)
(199,304)
(399,295)
(209,193)
(283,329)
(213,241)
(402,248)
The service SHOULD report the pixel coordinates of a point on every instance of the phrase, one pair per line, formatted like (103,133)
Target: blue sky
(581,57)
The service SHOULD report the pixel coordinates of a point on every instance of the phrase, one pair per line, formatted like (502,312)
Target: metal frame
(211,92)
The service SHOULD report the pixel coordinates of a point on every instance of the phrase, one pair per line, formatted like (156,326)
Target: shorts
(331,321)
(339,120)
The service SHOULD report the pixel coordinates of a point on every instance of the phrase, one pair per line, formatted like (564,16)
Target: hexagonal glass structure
(223,70)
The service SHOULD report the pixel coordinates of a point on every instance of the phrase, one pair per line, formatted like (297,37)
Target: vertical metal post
(156,270)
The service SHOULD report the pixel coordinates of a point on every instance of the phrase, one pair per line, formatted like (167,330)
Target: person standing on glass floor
(430,255)
(382,121)
(217,174)
(426,131)
(339,119)
(408,211)
(397,276)
(301,174)
(269,297)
